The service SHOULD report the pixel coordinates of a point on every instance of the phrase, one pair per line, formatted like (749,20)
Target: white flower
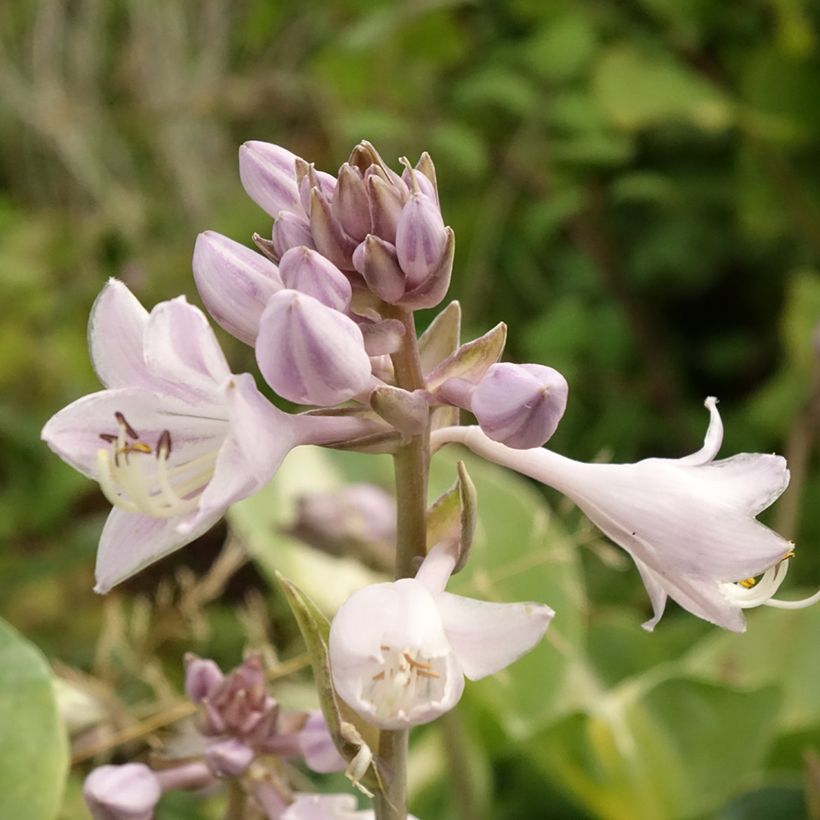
(399,651)
(688,523)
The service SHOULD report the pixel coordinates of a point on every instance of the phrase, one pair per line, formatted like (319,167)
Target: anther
(130,431)
(108,437)
(748,583)
(164,444)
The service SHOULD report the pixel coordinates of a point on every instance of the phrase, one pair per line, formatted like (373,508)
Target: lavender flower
(407,666)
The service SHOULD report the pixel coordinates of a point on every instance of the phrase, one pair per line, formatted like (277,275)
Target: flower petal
(180,346)
(486,636)
(713,439)
(74,432)
(131,541)
(234,282)
(748,481)
(437,567)
(115,332)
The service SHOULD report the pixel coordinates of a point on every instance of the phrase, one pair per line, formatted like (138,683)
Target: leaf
(452,517)
(441,339)
(650,750)
(636,90)
(34,750)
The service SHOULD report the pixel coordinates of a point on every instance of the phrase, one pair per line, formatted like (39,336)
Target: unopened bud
(317,746)
(290,231)
(309,272)
(381,337)
(268,174)
(421,238)
(349,204)
(520,405)
(386,203)
(234,282)
(128,792)
(328,236)
(375,259)
(229,757)
(202,676)
(309,353)
(307,178)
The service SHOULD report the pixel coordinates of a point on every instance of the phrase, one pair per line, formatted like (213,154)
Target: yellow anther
(748,583)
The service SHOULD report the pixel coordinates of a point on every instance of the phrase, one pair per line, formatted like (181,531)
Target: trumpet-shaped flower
(406,665)
(176,437)
(688,523)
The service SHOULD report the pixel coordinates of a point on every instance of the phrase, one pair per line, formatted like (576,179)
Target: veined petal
(748,481)
(74,432)
(131,541)
(486,636)
(180,346)
(234,282)
(268,174)
(115,332)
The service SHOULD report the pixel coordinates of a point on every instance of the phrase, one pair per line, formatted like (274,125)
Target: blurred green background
(635,190)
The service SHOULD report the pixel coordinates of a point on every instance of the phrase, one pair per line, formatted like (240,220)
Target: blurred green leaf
(34,750)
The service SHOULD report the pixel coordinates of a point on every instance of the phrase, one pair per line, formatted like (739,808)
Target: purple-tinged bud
(265,247)
(328,237)
(309,272)
(520,405)
(290,231)
(317,746)
(365,157)
(128,792)
(307,178)
(309,353)
(268,174)
(386,204)
(349,204)
(375,259)
(202,677)
(433,289)
(234,282)
(425,178)
(421,239)
(382,367)
(229,757)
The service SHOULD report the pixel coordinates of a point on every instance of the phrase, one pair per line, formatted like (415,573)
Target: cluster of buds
(242,727)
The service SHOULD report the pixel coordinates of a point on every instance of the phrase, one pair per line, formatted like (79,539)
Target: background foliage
(634,187)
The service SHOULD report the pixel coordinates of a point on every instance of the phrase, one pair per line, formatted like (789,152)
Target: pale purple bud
(421,239)
(317,746)
(202,677)
(328,236)
(309,353)
(128,792)
(349,204)
(366,158)
(520,405)
(229,757)
(307,178)
(425,176)
(309,272)
(234,282)
(290,231)
(375,259)
(386,203)
(268,174)
(382,367)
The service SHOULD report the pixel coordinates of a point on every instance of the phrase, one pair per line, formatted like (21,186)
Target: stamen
(125,425)
(164,444)
(748,583)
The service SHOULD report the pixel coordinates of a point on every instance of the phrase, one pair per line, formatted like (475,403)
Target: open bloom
(688,523)
(405,664)
(176,437)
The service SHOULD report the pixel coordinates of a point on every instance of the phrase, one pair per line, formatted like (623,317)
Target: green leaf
(34,750)
(649,750)
(635,90)
(452,517)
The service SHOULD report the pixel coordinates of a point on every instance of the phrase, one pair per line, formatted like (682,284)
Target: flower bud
(317,747)
(202,676)
(128,792)
(382,336)
(309,353)
(309,272)
(268,174)
(290,231)
(234,282)
(308,178)
(349,204)
(328,237)
(520,405)
(421,239)
(375,259)
(229,757)
(425,179)
(386,203)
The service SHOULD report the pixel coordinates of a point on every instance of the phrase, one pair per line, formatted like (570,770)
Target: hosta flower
(176,437)
(128,792)
(399,651)
(327,807)
(688,523)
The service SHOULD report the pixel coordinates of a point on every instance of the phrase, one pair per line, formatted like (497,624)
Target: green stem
(237,801)
(411,466)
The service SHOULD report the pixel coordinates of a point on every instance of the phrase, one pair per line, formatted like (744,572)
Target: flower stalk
(411,465)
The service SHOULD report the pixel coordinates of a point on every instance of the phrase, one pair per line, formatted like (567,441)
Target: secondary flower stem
(411,465)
